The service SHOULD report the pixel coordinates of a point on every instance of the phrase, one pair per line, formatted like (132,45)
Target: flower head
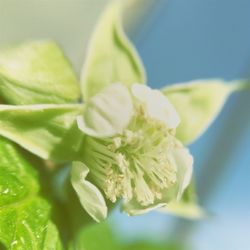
(130,147)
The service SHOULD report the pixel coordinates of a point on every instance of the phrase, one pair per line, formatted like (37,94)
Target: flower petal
(157,105)
(108,112)
(184,162)
(90,196)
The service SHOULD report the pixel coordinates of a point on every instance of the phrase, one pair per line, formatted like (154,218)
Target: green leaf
(36,72)
(107,240)
(24,215)
(111,57)
(95,237)
(197,104)
(187,207)
(149,245)
(47,130)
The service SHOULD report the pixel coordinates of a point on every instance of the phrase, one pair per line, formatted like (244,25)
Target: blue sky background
(179,40)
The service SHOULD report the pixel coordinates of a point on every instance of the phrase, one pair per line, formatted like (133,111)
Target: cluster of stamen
(134,164)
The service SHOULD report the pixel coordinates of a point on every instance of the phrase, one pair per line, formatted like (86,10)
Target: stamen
(134,164)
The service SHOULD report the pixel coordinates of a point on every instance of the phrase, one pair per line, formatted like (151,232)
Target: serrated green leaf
(187,207)
(111,57)
(36,72)
(47,130)
(197,104)
(87,238)
(24,216)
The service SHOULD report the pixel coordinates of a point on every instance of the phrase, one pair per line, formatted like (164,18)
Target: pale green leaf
(24,216)
(36,72)
(90,197)
(111,57)
(197,104)
(47,130)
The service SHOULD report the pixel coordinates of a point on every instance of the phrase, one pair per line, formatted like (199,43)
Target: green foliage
(96,237)
(48,130)
(197,104)
(102,236)
(148,245)
(111,57)
(24,215)
(36,72)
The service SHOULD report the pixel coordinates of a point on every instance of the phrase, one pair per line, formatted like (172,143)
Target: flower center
(134,164)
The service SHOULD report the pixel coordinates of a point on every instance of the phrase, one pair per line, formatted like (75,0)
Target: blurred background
(178,41)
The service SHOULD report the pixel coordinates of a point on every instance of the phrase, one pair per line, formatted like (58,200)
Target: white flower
(157,105)
(130,148)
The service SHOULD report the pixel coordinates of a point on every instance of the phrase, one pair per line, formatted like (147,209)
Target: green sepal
(111,57)
(197,103)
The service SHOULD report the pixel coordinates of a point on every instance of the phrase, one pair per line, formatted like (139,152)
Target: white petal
(108,112)
(184,163)
(157,105)
(90,196)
